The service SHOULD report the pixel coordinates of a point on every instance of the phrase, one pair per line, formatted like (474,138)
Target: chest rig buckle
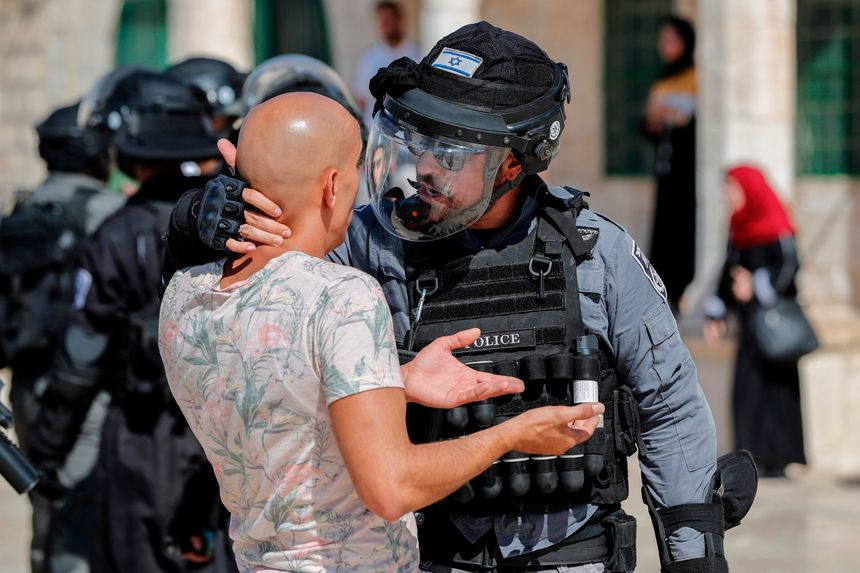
(540,265)
(426,285)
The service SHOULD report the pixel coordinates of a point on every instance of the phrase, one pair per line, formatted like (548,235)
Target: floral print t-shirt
(254,368)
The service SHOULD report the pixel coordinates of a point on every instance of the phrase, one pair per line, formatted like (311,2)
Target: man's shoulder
(191,280)
(311,274)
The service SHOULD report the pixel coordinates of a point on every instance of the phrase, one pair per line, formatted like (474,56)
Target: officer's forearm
(184,248)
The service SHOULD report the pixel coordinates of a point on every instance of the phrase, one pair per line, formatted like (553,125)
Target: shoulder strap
(547,250)
(560,206)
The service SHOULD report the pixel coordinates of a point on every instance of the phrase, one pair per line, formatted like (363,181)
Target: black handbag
(781,330)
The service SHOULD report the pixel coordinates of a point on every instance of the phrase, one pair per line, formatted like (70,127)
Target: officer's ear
(509,170)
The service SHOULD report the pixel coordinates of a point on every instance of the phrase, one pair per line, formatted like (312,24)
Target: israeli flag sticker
(457,62)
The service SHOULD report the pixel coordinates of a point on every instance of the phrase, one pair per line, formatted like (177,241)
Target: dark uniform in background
(552,287)
(153,483)
(39,240)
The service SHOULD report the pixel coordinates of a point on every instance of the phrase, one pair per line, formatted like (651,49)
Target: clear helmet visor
(424,188)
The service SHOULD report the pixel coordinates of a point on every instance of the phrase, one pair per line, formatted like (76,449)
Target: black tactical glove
(221,211)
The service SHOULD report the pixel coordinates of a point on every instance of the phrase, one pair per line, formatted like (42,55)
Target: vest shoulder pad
(565,198)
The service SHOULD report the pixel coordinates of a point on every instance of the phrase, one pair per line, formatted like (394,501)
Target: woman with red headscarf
(761,265)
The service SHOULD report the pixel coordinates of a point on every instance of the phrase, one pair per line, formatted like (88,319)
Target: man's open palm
(436,378)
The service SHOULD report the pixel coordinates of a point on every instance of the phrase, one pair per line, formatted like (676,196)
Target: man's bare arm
(393,476)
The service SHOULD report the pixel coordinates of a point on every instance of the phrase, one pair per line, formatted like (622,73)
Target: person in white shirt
(392,45)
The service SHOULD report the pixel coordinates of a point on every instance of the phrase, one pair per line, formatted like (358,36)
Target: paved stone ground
(806,523)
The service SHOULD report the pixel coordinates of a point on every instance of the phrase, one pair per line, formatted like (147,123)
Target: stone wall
(50,53)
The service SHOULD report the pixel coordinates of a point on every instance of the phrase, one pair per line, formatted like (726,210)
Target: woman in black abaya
(670,123)
(761,265)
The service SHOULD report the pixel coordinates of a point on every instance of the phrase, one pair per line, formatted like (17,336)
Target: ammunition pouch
(526,301)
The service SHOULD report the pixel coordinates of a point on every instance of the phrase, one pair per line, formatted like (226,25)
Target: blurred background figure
(670,123)
(221,85)
(151,509)
(37,280)
(761,265)
(391,46)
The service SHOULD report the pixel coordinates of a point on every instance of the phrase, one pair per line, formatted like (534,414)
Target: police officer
(52,221)
(220,83)
(149,463)
(462,231)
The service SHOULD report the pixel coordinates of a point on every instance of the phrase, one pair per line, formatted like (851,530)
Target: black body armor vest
(525,299)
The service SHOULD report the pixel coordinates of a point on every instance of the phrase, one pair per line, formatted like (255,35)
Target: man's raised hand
(437,379)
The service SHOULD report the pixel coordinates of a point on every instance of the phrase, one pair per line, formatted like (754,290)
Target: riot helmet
(219,81)
(163,120)
(69,148)
(443,127)
(296,73)
(99,109)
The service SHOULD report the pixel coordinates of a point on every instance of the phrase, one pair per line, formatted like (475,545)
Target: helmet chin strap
(505,187)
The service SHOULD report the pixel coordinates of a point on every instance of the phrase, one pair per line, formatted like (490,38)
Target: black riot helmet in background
(162,121)
(99,109)
(221,84)
(69,148)
(442,124)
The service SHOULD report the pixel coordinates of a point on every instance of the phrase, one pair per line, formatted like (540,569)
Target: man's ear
(330,190)
(509,169)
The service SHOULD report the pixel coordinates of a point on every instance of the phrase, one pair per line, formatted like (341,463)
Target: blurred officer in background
(221,85)
(461,231)
(37,280)
(278,75)
(156,502)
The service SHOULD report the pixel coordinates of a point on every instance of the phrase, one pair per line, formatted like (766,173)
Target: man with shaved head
(286,368)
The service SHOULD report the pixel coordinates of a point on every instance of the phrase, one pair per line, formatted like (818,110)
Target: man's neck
(242,267)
